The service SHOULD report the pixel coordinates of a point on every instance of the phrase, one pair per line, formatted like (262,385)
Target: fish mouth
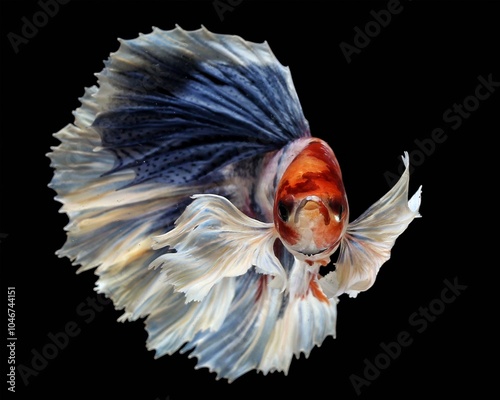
(308,199)
(311,254)
(312,204)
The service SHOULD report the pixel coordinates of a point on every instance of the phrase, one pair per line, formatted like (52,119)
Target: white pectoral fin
(213,240)
(369,239)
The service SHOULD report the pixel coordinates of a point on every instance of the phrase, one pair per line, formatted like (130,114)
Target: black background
(370,110)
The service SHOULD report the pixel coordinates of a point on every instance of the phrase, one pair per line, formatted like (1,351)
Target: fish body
(196,192)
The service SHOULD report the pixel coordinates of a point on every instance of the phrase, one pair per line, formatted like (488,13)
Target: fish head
(311,211)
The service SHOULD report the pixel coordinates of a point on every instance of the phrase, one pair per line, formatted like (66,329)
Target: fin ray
(369,239)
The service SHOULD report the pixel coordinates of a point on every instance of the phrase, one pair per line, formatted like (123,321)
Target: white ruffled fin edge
(369,239)
(213,240)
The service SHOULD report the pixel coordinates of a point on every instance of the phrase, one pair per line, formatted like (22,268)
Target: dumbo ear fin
(369,239)
(213,240)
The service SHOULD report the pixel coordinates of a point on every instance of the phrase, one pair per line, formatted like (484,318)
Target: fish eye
(283,211)
(337,208)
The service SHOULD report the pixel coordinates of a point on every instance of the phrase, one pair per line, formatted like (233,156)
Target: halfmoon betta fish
(195,190)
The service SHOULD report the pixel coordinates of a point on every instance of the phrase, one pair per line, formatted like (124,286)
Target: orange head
(310,208)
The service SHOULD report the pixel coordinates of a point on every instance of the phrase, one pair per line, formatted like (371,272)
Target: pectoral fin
(213,240)
(369,239)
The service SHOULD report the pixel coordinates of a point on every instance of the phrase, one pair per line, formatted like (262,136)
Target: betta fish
(197,194)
